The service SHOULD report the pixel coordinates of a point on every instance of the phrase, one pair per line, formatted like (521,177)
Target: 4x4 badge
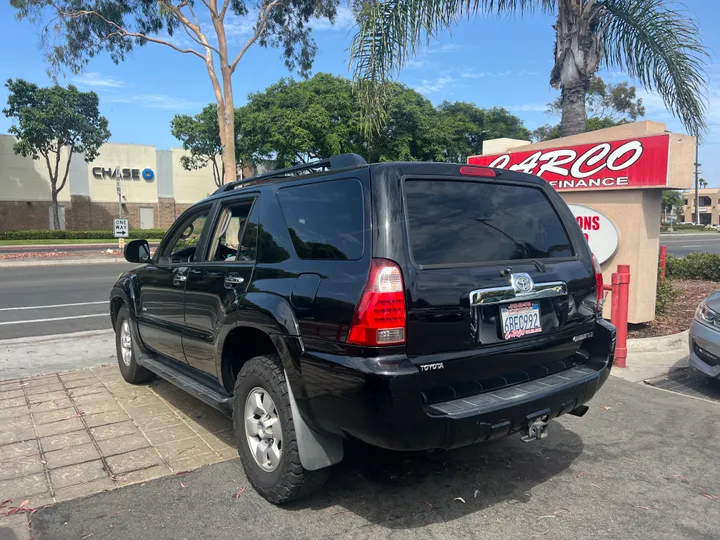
(521,282)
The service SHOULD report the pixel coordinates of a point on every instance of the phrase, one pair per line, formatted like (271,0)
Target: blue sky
(488,61)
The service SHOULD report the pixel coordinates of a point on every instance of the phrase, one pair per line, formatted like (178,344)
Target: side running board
(220,401)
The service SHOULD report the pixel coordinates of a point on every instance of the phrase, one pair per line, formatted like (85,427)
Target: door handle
(234,280)
(179,278)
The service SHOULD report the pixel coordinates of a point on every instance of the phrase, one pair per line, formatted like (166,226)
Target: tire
(288,480)
(129,368)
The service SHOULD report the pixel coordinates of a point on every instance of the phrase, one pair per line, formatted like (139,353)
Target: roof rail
(341,161)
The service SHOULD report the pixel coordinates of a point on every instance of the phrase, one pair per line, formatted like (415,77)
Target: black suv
(412,306)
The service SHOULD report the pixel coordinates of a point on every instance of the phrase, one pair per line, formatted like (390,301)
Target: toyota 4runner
(412,306)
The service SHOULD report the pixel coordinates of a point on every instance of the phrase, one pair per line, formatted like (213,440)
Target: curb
(652,357)
(19,263)
(709,233)
(659,344)
(55,337)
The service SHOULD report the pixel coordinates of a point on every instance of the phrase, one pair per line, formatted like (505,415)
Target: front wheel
(131,371)
(265,433)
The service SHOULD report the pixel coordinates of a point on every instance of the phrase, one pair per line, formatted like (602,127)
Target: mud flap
(316,450)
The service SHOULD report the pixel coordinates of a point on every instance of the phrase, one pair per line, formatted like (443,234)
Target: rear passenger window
(325,220)
(461,222)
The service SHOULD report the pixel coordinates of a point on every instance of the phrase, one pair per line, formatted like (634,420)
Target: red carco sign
(629,163)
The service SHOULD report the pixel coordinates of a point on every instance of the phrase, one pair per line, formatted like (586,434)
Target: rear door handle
(234,280)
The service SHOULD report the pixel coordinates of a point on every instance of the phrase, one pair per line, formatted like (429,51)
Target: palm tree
(655,44)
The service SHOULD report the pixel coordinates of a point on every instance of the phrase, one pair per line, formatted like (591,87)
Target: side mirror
(137,251)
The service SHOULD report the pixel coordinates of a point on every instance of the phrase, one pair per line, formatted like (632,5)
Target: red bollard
(663,261)
(614,300)
(621,282)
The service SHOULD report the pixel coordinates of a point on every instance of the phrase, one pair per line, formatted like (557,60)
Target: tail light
(469,170)
(380,316)
(599,285)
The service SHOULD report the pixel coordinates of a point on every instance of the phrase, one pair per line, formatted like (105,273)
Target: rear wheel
(131,371)
(265,433)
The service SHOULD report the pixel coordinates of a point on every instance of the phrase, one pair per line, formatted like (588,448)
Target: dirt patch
(680,313)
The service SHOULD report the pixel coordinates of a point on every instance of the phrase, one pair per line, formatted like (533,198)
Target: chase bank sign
(107,173)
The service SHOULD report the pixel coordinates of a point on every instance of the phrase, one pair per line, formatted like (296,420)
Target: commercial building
(709,205)
(155,188)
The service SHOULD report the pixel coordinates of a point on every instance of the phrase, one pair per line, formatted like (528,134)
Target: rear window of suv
(325,220)
(463,222)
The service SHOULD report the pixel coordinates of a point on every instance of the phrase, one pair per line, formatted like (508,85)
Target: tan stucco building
(155,188)
(709,204)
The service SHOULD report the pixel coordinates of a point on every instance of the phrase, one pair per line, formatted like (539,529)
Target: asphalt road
(45,300)
(682,244)
(641,464)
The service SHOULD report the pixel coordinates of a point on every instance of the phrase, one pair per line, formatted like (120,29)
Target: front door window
(184,243)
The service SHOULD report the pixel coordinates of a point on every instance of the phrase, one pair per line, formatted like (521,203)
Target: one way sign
(121,228)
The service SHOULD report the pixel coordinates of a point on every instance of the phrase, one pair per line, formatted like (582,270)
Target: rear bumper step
(514,395)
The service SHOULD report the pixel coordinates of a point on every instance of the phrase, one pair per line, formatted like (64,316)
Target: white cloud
(527,107)
(429,86)
(93,79)
(156,101)
(447,47)
(344,19)
(483,74)
(237,27)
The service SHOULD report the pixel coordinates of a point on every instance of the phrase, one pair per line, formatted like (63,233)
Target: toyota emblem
(521,282)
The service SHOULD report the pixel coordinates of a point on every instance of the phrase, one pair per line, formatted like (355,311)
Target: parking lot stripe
(55,319)
(54,306)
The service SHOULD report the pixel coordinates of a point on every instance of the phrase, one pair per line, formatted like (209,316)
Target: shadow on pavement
(397,489)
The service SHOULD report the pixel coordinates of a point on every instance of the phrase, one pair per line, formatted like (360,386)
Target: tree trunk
(578,52)
(56,209)
(574,118)
(227,126)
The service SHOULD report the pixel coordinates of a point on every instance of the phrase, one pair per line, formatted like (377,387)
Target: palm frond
(661,48)
(389,32)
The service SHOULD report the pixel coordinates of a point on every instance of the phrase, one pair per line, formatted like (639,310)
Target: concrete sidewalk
(46,355)
(76,433)
(651,357)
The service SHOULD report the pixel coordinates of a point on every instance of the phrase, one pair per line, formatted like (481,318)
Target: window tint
(181,247)
(460,222)
(229,238)
(325,220)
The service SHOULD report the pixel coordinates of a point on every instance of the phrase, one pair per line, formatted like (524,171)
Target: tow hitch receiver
(536,429)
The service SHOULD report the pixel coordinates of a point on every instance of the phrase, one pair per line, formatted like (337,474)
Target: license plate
(520,319)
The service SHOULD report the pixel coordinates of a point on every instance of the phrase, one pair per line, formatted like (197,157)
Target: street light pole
(697,181)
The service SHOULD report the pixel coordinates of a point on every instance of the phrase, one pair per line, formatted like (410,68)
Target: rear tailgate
(499,287)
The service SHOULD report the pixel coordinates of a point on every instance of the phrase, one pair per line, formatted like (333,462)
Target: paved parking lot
(641,464)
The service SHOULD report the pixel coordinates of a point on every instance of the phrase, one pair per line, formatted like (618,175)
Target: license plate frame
(520,319)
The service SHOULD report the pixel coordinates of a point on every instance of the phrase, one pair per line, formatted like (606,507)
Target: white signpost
(120,223)
(121,231)
(599,231)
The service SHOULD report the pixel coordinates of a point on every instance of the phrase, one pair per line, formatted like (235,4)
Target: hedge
(79,235)
(694,266)
(685,227)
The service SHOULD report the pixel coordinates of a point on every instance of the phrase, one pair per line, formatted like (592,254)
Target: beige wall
(133,156)
(636,214)
(191,186)
(712,210)
(25,179)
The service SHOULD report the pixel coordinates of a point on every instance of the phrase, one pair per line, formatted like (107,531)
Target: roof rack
(341,161)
